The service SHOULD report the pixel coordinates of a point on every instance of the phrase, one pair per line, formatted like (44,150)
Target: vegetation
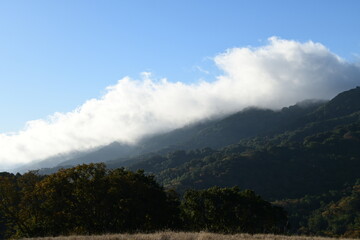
(335,213)
(85,199)
(341,218)
(229,210)
(90,199)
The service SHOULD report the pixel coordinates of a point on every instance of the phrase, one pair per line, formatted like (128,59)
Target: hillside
(321,162)
(302,149)
(333,213)
(290,153)
(312,170)
(251,122)
(299,150)
(216,133)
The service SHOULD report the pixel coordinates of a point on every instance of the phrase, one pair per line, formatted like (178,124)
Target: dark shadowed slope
(212,133)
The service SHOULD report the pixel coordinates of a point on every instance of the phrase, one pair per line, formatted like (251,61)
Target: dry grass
(183,236)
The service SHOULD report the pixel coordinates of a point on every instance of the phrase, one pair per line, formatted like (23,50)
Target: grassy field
(183,236)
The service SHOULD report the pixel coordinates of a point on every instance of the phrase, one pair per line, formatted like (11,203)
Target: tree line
(335,213)
(91,199)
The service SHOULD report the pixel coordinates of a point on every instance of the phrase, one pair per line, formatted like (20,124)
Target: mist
(280,73)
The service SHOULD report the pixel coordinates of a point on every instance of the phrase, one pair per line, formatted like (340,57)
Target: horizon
(61,64)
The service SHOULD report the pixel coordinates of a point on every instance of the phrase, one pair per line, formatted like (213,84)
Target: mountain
(209,133)
(309,148)
(253,122)
(343,104)
(48,162)
(320,163)
(214,133)
(279,154)
(108,152)
(249,123)
(155,143)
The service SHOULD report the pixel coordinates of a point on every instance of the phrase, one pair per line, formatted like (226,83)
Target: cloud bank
(278,74)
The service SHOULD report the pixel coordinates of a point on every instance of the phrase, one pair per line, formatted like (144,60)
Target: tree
(340,218)
(15,202)
(230,210)
(90,199)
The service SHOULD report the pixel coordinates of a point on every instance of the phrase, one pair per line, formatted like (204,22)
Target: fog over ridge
(278,74)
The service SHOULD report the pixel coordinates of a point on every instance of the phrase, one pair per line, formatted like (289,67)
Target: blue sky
(54,55)
(63,66)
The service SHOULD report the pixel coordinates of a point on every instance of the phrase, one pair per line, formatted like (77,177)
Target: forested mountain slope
(296,151)
(214,133)
(322,162)
(308,148)
(218,133)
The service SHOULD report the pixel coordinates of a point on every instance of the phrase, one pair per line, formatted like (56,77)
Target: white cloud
(275,75)
(284,72)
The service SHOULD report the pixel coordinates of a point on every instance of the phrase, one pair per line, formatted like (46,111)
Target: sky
(76,74)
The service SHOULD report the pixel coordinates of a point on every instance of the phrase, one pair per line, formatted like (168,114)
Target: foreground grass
(183,236)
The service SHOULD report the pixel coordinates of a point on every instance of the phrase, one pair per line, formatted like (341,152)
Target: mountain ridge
(309,158)
(250,147)
(196,135)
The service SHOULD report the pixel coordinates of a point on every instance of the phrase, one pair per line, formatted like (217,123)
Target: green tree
(90,199)
(340,218)
(230,210)
(15,202)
